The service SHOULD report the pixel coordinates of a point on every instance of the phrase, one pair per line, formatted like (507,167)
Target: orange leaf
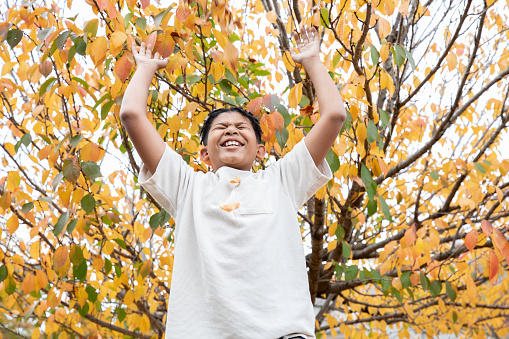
(410,235)
(183,13)
(295,95)
(230,207)
(144,3)
(254,106)
(272,16)
(493,266)
(123,67)
(235,181)
(90,152)
(45,68)
(306,110)
(486,227)
(471,239)
(268,127)
(499,239)
(102,4)
(279,121)
(358,181)
(150,40)
(231,57)
(60,258)
(28,284)
(271,101)
(165,44)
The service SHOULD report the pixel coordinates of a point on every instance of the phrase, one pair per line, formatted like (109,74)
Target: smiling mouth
(231,143)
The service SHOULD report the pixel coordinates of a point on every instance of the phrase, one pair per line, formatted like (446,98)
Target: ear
(260,153)
(204,155)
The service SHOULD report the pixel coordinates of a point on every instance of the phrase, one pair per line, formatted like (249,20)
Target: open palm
(144,57)
(308,44)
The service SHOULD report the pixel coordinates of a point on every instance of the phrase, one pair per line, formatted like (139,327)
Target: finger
(134,49)
(149,51)
(297,38)
(156,56)
(142,48)
(303,34)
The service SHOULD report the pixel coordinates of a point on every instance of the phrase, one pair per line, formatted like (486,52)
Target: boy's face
(232,142)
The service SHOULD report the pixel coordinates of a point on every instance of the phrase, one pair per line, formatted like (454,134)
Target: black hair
(204,133)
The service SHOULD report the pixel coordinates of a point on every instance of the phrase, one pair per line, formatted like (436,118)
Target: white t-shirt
(238,274)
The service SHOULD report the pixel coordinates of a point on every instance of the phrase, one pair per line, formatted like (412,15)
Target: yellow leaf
(217,71)
(332,245)
(235,181)
(288,61)
(28,284)
(384,28)
(295,95)
(230,207)
(116,42)
(98,50)
(35,250)
(361,132)
(13,181)
(384,52)
(12,224)
(164,44)
(8,67)
(452,61)
(220,37)
(90,152)
(500,194)
(61,259)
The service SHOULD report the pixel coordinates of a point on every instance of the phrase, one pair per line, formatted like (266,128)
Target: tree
(411,232)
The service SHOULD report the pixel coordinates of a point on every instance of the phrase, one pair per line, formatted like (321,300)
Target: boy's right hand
(144,58)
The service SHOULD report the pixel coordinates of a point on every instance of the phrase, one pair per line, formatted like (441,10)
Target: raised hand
(308,44)
(144,57)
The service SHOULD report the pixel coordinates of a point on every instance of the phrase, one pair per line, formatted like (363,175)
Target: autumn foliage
(410,235)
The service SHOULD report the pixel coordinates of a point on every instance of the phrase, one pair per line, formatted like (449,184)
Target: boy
(239,269)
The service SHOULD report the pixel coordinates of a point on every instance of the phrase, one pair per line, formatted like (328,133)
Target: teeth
(231,143)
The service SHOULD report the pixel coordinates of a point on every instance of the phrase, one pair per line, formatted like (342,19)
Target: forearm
(134,101)
(329,100)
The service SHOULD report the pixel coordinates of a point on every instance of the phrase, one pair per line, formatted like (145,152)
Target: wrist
(146,68)
(311,61)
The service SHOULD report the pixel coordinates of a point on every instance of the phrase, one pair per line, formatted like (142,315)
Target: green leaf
(57,180)
(435,288)
(71,170)
(339,271)
(118,271)
(351,272)
(375,56)
(121,243)
(91,170)
(26,139)
(159,17)
(141,23)
(76,255)
(282,137)
(226,86)
(43,33)
(450,291)
(229,75)
(405,279)
(27,207)
(332,160)
(371,190)
(105,109)
(424,281)
(399,55)
(75,140)
(434,175)
(345,250)
(83,310)
(410,58)
(385,209)
(3,273)
(340,233)
(47,84)
(91,27)
(81,46)
(121,314)
(324,17)
(92,294)
(454,316)
(88,203)
(80,271)
(386,285)
(10,286)
(366,176)
(372,207)
(14,36)
(384,116)
(61,39)
(61,222)
(397,294)
(107,265)
(480,167)
(372,132)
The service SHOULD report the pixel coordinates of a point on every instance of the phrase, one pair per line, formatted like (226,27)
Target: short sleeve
(170,183)
(300,177)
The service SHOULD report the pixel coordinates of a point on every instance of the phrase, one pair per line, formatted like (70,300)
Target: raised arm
(133,112)
(332,111)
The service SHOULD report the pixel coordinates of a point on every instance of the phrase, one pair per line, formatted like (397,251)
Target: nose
(231,130)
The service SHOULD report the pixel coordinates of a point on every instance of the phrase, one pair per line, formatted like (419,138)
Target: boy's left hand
(309,45)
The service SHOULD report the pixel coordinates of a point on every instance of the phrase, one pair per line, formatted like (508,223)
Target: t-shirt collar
(230,172)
